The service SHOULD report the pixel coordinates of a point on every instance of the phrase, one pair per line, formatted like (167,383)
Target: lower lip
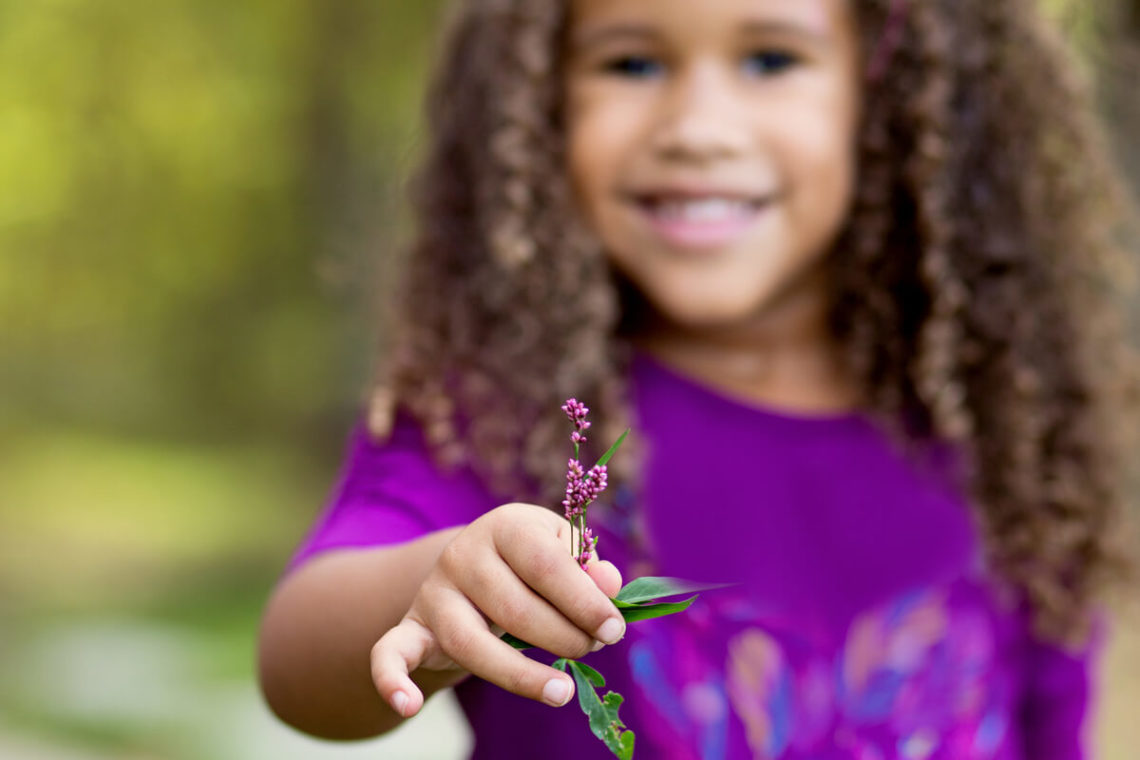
(683,233)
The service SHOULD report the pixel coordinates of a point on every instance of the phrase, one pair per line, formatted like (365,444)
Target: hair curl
(971,276)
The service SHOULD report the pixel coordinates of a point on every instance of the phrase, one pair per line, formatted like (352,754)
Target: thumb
(397,654)
(606,575)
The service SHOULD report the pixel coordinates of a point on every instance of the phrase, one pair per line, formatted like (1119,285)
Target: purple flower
(577,412)
(599,479)
(582,487)
(589,544)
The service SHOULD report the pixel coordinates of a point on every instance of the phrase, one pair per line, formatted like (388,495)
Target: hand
(509,570)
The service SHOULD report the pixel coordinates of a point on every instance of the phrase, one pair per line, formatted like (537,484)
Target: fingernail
(611,631)
(556,692)
(399,702)
(597,645)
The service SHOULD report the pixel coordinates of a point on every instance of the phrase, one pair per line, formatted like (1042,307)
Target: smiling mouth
(701,210)
(701,222)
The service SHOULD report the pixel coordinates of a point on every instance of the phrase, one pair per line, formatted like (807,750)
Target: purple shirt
(861,624)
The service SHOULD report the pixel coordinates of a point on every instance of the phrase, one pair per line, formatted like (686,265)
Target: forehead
(820,17)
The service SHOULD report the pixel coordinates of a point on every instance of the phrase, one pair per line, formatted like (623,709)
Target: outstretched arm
(319,626)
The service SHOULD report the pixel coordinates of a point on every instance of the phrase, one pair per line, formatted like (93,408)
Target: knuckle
(523,525)
(451,558)
(543,564)
(429,603)
(513,614)
(576,647)
(519,681)
(507,516)
(512,533)
(589,612)
(456,641)
(483,575)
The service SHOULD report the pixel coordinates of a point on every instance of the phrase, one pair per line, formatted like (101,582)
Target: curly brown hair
(972,275)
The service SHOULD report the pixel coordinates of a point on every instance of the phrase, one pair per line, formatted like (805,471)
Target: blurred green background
(198,207)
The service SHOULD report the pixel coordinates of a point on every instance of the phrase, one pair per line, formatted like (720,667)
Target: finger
(541,561)
(606,576)
(463,636)
(395,656)
(513,606)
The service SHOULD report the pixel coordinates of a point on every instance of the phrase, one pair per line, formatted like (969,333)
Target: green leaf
(612,450)
(595,677)
(649,611)
(624,739)
(646,589)
(613,700)
(560,664)
(625,744)
(603,713)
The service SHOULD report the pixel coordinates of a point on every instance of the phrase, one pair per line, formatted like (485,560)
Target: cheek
(602,135)
(582,158)
(596,157)
(823,152)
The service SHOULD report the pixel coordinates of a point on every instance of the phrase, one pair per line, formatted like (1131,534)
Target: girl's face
(711,146)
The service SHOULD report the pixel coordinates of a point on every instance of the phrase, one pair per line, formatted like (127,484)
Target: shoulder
(390,490)
(401,465)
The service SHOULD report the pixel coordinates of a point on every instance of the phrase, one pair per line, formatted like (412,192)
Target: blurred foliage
(196,197)
(193,189)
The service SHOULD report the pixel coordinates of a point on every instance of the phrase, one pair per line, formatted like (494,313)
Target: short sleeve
(1060,687)
(389,492)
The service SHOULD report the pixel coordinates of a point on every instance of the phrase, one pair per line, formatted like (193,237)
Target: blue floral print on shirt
(914,679)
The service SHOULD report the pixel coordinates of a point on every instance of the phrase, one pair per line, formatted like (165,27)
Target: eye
(636,66)
(770,62)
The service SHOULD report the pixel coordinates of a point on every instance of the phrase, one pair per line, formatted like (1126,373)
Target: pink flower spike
(589,545)
(582,487)
(575,410)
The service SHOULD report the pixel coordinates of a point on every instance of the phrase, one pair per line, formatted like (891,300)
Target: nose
(700,118)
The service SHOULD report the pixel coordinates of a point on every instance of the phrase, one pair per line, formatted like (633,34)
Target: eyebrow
(584,39)
(599,34)
(802,32)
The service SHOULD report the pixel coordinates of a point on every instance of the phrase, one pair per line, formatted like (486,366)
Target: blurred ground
(128,633)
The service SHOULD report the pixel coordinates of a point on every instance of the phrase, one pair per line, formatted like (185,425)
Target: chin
(707,316)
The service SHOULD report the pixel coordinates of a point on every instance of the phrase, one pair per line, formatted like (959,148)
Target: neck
(786,357)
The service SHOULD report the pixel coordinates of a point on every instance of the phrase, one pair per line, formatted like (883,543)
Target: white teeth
(703,209)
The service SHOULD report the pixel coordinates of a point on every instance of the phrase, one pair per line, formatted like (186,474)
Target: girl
(836,262)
